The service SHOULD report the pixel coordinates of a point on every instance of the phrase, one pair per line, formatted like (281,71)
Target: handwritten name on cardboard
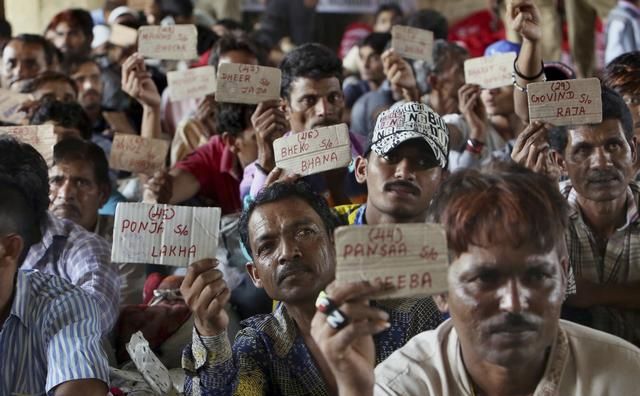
(249,84)
(566,102)
(164,234)
(412,43)
(176,42)
(314,151)
(41,137)
(413,258)
(10,104)
(136,154)
(490,71)
(192,83)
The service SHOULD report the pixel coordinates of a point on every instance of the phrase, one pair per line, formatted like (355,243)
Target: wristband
(261,169)
(528,78)
(475,146)
(520,87)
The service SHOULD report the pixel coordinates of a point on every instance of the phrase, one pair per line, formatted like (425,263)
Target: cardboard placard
(192,83)
(139,5)
(10,102)
(175,42)
(41,137)
(249,84)
(412,43)
(164,234)
(490,71)
(566,102)
(314,151)
(119,122)
(137,154)
(149,365)
(411,257)
(123,36)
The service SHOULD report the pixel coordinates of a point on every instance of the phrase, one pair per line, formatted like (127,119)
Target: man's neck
(604,217)
(93,114)
(302,314)
(516,380)
(374,85)
(374,216)
(7,294)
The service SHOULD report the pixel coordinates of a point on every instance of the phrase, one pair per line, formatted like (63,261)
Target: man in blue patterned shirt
(50,330)
(288,230)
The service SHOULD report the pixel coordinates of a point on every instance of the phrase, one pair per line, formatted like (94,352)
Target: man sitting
(288,231)
(50,330)
(507,282)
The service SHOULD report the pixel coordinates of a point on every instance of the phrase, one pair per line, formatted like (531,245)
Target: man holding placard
(288,231)
(507,281)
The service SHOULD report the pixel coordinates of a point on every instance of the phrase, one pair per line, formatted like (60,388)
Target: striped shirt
(82,258)
(52,335)
(619,264)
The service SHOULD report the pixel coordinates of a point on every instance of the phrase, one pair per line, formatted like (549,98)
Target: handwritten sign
(314,151)
(249,84)
(566,102)
(192,83)
(136,154)
(123,36)
(412,43)
(41,137)
(10,103)
(139,5)
(490,71)
(176,42)
(411,257)
(119,122)
(164,234)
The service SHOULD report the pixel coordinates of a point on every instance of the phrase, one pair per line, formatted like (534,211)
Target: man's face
(55,90)
(498,101)
(505,302)
(385,21)
(371,68)
(401,184)
(599,160)
(314,103)
(448,82)
(71,41)
(21,61)
(293,255)
(633,102)
(74,193)
(89,84)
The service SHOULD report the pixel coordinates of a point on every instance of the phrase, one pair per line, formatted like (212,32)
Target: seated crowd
(542,221)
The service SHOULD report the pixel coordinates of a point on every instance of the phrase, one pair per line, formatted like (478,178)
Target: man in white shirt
(507,281)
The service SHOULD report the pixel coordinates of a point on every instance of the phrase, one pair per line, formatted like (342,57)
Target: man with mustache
(604,230)
(402,167)
(288,231)
(507,281)
(24,57)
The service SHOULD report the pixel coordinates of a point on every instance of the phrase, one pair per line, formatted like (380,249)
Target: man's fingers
(217,304)
(196,269)
(344,338)
(273,176)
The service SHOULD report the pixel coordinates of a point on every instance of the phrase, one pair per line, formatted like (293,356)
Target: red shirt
(213,167)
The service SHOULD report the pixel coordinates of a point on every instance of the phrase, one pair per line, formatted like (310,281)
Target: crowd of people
(541,221)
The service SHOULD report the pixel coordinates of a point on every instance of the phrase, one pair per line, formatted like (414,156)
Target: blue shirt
(52,335)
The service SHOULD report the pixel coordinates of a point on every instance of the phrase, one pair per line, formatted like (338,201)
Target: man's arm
(172,187)
(137,83)
(88,387)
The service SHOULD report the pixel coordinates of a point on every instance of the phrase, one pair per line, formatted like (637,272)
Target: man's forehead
(281,214)
(72,167)
(307,85)
(23,48)
(587,133)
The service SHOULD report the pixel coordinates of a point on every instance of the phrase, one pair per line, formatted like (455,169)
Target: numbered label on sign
(566,102)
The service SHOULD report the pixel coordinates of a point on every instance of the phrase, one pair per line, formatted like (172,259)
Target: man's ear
(11,247)
(361,169)
(229,141)
(253,274)
(634,148)
(104,191)
(442,302)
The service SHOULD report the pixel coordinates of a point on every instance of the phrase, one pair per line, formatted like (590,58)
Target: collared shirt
(254,179)
(620,263)
(269,356)
(214,166)
(82,258)
(431,364)
(352,214)
(52,335)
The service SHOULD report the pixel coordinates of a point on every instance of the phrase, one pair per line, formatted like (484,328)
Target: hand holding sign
(314,151)
(566,102)
(41,137)
(249,84)
(175,42)
(399,72)
(413,258)
(137,154)
(206,293)
(532,151)
(270,123)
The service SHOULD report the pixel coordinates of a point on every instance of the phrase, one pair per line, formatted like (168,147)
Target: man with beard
(71,31)
(402,166)
(507,281)
(604,230)
(288,231)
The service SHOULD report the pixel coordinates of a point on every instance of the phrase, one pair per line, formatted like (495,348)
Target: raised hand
(158,189)
(136,82)
(524,18)
(400,74)
(270,123)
